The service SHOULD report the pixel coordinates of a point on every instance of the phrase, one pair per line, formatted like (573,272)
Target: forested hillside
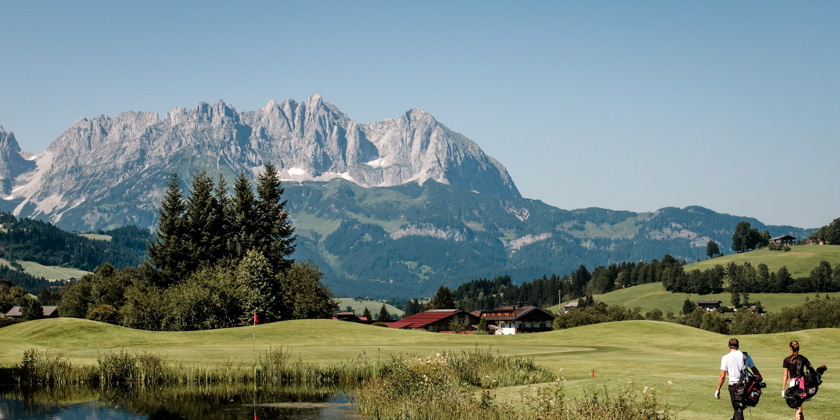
(406,241)
(41,242)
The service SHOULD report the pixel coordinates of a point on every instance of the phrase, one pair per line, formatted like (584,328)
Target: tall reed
(126,369)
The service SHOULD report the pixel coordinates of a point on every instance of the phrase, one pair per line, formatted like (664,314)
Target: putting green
(632,353)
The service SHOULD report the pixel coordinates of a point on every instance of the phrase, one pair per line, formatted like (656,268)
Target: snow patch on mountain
(517,244)
(520,213)
(430,231)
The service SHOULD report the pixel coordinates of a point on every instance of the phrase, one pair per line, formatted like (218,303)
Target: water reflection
(188,402)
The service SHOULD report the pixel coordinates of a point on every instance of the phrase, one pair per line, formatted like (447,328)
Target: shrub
(104,313)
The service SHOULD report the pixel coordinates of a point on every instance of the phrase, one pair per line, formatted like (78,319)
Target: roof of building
(779,238)
(709,302)
(514,312)
(424,318)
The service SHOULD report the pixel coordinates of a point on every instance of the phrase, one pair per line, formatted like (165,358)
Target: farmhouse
(784,240)
(512,319)
(49,312)
(435,320)
(569,306)
(709,305)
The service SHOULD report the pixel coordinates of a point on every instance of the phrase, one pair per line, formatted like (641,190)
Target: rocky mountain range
(108,171)
(391,208)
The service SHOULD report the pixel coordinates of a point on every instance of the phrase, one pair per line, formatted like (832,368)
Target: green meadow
(646,297)
(372,305)
(800,260)
(680,363)
(97,236)
(48,272)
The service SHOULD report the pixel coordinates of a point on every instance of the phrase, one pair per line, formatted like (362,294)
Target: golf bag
(749,387)
(806,387)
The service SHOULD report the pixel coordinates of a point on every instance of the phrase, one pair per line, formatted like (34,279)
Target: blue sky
(734,106)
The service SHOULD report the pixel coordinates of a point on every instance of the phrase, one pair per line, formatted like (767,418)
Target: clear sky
(734,106)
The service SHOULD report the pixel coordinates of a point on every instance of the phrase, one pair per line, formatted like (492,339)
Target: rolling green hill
(800,260)
(647,297)
(680,363)
(372,305)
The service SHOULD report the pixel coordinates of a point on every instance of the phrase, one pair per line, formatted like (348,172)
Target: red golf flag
(255,318)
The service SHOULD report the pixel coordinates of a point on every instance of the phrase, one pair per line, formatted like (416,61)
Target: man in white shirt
(731,364)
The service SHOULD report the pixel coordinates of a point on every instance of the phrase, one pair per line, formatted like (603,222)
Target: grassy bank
(633,353)
(800,260)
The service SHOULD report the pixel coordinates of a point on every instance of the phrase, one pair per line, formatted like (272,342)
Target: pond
(212,403)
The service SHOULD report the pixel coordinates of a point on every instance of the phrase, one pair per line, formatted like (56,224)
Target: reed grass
(126,369)
(445,385)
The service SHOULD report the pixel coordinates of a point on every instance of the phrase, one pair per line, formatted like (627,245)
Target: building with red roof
(435,320)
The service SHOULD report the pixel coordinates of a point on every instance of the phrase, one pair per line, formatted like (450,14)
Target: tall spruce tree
(199,221)
(274,233)
(384,316)
(168,249)
(242,218)
(220,223)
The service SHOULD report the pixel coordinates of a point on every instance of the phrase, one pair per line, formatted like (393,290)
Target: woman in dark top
(795,366)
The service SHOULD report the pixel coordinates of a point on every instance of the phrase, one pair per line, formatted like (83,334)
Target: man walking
(731,364)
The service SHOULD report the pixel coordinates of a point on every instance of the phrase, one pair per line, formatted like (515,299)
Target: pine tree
(442,300)
(220,223)
(275,234)
(366,314)
(168,249)
(384,316)
(242,218)
(199,221)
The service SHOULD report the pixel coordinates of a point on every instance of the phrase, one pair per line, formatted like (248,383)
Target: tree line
(550,290)
(829,234)
(820,312)
(214,261)
(744,279)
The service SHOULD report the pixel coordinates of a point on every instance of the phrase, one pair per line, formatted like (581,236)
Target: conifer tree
(275,233)
(242,218)
(199,221)
(384,316)
(220,223)
(366,314)
(168,250)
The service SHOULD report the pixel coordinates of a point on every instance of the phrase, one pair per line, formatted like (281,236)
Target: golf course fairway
(680,363)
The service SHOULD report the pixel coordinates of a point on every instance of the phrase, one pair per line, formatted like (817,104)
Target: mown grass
(800,260)
(632,353)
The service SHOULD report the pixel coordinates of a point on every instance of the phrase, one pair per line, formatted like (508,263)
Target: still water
(178,403)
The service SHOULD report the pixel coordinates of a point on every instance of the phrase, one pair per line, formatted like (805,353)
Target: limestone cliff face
(13,162)
(109,171)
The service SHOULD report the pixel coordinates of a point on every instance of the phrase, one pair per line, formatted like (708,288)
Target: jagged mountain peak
(13,161)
